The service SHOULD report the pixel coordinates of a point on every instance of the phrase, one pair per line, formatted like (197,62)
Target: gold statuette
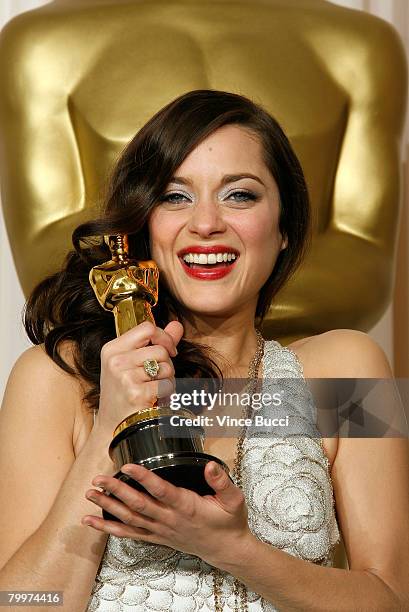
(129,289)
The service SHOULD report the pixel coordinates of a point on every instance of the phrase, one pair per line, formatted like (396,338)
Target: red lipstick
(216,248)
(208,271)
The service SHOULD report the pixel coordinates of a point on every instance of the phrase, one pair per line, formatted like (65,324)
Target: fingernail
(134,469)
(216,469)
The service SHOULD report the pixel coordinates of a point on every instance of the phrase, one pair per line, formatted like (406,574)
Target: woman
(211,169)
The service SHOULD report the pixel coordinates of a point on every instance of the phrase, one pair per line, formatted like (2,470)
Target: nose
(206,219)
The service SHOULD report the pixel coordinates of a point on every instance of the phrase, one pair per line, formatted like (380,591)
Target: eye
(173,197)
(175,200)
(242,196)
(241,199)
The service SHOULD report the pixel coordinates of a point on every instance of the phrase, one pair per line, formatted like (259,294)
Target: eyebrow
(228,178)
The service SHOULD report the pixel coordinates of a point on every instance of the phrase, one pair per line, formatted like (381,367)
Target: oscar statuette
(129,289)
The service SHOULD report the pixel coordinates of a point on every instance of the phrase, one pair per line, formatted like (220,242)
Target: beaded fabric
(289,495)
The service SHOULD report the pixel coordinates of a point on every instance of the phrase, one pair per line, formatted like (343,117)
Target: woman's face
(221,204)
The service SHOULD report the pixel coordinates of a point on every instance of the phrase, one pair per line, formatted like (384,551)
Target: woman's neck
(234,339)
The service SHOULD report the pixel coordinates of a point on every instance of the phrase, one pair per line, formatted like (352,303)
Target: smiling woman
(211,189)
(243,209)
(219,147)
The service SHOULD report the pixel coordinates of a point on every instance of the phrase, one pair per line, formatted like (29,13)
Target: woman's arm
(371,487)
(371,484)
(371,479)
(43,544)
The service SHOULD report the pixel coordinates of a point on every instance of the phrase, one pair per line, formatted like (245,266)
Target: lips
(215,270)
(216,248)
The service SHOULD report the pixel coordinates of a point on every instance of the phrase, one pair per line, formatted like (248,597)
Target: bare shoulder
(35,361)
(36,380)
(36,367)
(342,353)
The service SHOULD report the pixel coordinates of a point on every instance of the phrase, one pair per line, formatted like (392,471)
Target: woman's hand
(172,516)
(125,386)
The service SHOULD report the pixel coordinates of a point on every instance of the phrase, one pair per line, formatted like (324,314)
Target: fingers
(142,396)
(135,501)
(228,495)
(121,511)
(175,330)
(160,336)
(146,514)
(160,489)
(141,336)
(125,385)
(119,530)
(134,359)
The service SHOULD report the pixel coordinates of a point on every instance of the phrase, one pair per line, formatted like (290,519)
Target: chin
(208,308)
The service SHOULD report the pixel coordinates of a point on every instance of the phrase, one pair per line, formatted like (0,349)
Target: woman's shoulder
(36,379)
(35,359)
(342,353)
(35,365)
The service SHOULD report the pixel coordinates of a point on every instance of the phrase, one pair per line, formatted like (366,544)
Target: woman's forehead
(229,150)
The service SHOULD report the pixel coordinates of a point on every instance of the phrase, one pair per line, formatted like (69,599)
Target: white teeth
(211,258)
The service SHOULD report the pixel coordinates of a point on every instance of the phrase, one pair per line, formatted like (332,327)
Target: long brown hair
(63,306)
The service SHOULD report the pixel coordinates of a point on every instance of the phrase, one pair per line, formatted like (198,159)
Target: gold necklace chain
(240,590)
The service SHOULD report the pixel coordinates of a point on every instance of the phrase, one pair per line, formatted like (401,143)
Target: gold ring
(151,367)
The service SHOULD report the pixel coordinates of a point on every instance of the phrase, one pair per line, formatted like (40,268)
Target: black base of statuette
(182,470)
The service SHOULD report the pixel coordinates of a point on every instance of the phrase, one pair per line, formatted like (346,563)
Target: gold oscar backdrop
(80,77)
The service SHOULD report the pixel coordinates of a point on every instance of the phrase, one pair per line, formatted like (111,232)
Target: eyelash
(250,196)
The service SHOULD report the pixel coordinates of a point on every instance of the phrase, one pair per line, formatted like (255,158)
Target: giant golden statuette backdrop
(335,79)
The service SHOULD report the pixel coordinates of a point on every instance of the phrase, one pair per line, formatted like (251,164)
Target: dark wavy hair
(63,306)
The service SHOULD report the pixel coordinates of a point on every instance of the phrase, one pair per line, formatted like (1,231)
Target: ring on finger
(151,367)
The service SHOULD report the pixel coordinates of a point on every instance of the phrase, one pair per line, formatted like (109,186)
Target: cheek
(262,242)
(161,235)
(259,237)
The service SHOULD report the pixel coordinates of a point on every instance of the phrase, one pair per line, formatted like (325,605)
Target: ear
(284,243)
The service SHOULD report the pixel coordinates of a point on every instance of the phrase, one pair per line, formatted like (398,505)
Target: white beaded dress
(289,495)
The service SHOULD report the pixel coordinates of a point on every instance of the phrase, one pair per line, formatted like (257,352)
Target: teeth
(212,258)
